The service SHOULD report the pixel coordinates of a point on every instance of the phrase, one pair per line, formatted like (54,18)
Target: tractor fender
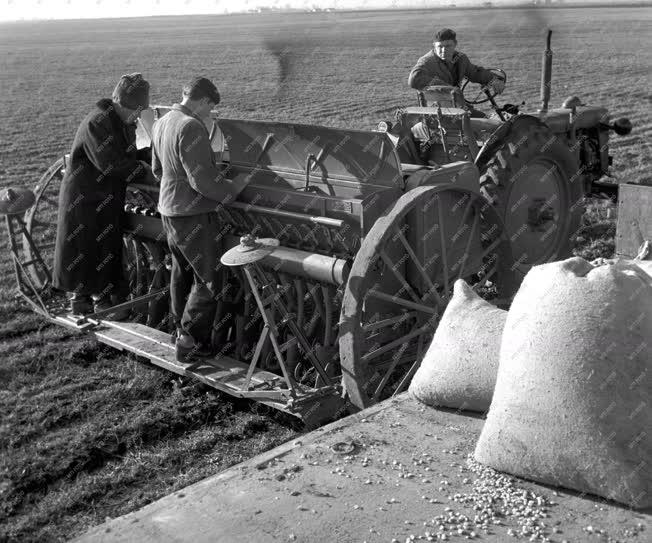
(498,136)
(460,174)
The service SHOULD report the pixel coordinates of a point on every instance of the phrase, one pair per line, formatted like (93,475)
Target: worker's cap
(444,34)
(201,87)
(132,91)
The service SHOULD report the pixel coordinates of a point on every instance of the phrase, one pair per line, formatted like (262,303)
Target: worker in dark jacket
(443,65)
(192,188)
(103,159)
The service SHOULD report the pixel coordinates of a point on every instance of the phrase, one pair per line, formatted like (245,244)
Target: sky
(12,10)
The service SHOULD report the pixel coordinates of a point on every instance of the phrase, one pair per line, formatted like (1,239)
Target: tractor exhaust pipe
(546,75)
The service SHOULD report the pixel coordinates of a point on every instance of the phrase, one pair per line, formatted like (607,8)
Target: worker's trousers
(194,284)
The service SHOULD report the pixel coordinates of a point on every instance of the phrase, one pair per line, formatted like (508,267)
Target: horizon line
(271,10)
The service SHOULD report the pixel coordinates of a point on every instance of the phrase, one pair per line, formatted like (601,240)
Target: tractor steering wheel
(490,92)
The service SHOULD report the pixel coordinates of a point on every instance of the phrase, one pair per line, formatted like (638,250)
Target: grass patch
(596,236)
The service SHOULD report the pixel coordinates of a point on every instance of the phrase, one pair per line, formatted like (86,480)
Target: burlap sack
(574,389)
(460,366)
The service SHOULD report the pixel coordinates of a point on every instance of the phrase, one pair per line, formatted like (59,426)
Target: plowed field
(87,433)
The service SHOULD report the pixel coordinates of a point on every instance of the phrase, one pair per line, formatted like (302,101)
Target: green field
(86,433)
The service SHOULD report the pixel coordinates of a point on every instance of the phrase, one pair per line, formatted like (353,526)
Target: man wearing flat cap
(193,186)
(103,159)
(443,65)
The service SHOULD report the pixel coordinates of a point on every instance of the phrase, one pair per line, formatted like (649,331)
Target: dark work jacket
(431,70)
(103,159)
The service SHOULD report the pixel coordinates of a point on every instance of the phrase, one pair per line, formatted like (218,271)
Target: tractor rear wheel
(534,183)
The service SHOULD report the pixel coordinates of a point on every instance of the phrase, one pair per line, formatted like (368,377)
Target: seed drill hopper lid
(249,251)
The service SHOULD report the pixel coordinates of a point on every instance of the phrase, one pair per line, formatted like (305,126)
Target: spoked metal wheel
(41,220)
(402,279)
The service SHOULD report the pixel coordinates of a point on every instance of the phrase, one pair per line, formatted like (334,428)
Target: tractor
(345,245)
(535,167)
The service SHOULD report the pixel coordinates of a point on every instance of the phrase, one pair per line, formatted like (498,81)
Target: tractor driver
(443,65)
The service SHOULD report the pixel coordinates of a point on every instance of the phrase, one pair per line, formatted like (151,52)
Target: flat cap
(444,34)
(201,87)
(132,91)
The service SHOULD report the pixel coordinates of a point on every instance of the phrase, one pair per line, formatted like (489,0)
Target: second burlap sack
(574,388)
(460,366)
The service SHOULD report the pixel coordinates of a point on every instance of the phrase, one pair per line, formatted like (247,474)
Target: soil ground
(87,433)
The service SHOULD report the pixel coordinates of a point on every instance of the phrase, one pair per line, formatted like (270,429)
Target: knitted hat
(132,91)
(445,34)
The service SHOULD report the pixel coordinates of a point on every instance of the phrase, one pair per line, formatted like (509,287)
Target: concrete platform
(374,476)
